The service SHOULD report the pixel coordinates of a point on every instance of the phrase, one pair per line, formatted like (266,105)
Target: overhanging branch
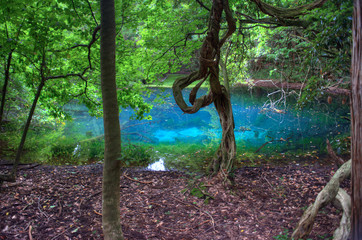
(287,13)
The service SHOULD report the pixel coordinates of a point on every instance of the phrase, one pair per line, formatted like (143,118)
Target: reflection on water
(255,123)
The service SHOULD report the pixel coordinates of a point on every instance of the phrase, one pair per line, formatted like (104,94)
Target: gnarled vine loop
(209,69)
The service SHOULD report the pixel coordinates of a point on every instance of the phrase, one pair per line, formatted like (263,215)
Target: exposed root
(329,193)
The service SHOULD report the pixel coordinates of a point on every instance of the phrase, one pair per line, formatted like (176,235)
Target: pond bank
(286,85)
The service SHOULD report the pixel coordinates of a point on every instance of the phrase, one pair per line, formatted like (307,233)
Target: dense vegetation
(51,51)
(55,53)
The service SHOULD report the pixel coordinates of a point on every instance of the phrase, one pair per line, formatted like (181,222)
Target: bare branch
(172,47)
(203,5)
(90,7)
(75,9)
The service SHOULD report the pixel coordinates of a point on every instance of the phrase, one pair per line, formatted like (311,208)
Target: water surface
(257,121)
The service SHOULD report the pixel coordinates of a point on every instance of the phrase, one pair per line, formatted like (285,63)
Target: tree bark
(223,161)
(6,82)
(343,201)
(12,176)
(327,195)
(209,69)
(356,120)
(112,164)
(26,128)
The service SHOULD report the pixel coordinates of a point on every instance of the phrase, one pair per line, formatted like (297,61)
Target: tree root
(339,161)
(329,193)
(343,201)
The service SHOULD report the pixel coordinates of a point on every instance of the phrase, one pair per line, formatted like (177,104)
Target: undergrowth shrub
(188,157)
(137,155)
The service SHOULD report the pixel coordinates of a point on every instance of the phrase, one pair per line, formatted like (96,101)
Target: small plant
(198,189)
(283,236)
(136,155)
(187,157)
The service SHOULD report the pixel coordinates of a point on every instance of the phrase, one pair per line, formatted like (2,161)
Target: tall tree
(10,31)
(42,60)
(112,164)
(209,69)
(210,55)
(356,113)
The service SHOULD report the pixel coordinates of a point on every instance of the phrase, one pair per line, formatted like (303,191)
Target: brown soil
(64,202)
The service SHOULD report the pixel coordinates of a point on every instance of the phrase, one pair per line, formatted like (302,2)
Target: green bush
(137,155)
(189,157)
(90,150)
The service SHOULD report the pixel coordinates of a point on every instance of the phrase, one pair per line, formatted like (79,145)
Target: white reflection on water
(157,166)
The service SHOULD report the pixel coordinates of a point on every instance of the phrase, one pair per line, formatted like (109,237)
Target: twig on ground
(60,209)
(135,180)
(30,167)
(273,140)
(100,214)
(198,208)
(30,235)
(174,229)
(39,208)
(59,234)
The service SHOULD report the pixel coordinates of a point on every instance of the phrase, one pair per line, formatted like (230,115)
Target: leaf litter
(64,202)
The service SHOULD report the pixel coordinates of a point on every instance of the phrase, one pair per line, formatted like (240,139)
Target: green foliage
(137,155)
(283,236)
(311,92)
(62,150)
(90,150)
(197,188)
(189,157)
(342,144)
(249,158)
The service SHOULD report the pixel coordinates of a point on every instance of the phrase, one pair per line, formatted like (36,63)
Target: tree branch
(285,13)
(90,7)
(203,5)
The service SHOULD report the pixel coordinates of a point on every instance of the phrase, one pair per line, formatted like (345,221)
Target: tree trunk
(209,68)
(12,176)
(112,164)
(225,75)
(356,120)
(6,82)
(223,161)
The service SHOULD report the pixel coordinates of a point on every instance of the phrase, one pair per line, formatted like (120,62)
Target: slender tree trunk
(26,128)
(112,164)
(6,82)
(12,176)
(356,113)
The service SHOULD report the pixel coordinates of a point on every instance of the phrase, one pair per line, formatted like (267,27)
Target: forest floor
(64,202)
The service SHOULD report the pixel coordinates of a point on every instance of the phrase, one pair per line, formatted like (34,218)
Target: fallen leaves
(65,203)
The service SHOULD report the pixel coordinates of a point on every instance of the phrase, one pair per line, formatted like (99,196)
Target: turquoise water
(257,120)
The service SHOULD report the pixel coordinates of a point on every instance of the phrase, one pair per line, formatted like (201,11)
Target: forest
(169,119)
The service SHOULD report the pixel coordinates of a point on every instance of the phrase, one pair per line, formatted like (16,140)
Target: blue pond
(258,119)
